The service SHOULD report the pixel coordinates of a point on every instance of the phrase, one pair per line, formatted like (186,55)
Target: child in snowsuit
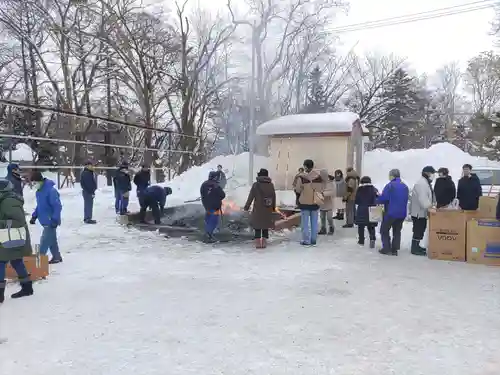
(326,209)
(211,198)
(366,197)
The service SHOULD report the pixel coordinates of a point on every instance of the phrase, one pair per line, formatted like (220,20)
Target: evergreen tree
(316,95)
(403,109)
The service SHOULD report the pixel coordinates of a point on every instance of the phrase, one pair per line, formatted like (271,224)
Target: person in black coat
(88,183)
(142,179)
(444,189)
(366,197)
(123,185)
(153,197)
(469,189)
(14,176)
(211,198)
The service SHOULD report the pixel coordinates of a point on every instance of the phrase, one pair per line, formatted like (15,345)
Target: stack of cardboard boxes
(472,236)
(36,264)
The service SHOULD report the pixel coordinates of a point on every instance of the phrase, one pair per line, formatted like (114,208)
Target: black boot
(322,231)
(340,215)
(55,260)
(90,221)
(372,244)
(2,291)
(361,241)
(348,226)
(331,231)
(388,252)
(416,249)
(26,289)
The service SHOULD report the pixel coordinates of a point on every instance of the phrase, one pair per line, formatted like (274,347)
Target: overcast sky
(428,44)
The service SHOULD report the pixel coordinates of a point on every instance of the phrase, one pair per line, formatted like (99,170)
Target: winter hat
(428,169)
(395,173)
(308,164)
(444,171)
(213,175)
(263,173)
(366,180)
(36,176)
(12,166)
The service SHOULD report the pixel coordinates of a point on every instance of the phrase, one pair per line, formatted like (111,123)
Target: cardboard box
(287,223)
(487,207)
(37,266)
(447,235)
(483,242)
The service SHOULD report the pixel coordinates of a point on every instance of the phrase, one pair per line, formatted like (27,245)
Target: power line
(415,17)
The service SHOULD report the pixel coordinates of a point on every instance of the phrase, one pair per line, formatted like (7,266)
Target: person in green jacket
(15,242)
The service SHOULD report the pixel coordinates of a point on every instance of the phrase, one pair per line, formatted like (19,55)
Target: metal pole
(251,133)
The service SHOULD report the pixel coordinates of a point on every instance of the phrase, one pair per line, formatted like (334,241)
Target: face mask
(39,185)
(391,178)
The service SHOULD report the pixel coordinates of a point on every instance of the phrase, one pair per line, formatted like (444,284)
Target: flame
(230,206)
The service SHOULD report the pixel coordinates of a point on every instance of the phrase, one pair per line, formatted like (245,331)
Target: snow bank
(23,152)
(378,163)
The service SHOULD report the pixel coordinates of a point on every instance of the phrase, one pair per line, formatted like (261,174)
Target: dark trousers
(18,266)
(297,196)
(146,203)
(396,225)
(419,227)
(88,205)
(211,222)
(371,232)
(261,233)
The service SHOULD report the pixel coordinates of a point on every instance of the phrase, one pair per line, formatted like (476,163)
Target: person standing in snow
(263,197)
(88,182)
(211,197)
(341,189)
(14,176)
(309,186)
(327,207)
(142,179)
(366,197)
(221,177)
(422,199)
(15,242)
(444,189)
(154,197)
(469,189)
(123,187)
(48,213)
(352,182)
(395,200)
(294,184)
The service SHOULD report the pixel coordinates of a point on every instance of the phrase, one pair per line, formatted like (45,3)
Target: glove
(33,220)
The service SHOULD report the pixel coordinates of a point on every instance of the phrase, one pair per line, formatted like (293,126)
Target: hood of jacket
(312,176)
(324,175)
(11,167)
(353,174)
(264,179)
(47,184)
(7,190)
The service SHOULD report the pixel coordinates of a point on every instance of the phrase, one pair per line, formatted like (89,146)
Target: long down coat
(263,196)
(12,223)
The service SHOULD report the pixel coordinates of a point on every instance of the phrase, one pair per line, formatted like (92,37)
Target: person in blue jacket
(395,200)
(123,185)
(142,179)
(14,176)
(154,197)
(212,196)
(89,186)
(48,213)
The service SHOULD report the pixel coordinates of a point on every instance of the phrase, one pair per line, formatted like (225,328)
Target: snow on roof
(335,122)
(23,152)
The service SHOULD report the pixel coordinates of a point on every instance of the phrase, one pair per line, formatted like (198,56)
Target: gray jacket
(341,188)
(422,198)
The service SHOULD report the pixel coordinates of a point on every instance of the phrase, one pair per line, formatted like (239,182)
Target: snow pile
(378,163)
(23,152)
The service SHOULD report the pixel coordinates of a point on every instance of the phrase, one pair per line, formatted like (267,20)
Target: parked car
(490,179)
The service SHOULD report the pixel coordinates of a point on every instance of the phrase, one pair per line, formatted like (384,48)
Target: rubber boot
(322,231)
(26,289)
(2,291)
(416,249)
(331,231)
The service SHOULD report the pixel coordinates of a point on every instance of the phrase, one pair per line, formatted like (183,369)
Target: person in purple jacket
(395,200)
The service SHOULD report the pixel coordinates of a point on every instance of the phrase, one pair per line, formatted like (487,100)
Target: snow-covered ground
(128,302)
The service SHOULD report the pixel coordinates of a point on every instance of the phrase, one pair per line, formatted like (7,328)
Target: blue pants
(309,226)
(49,241)
(211,222)
(117,201)
(88,205)
(18,266)
(122,204)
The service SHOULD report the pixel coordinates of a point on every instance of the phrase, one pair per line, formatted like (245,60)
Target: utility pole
(251,133)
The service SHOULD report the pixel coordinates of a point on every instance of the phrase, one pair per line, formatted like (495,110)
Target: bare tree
(483,81)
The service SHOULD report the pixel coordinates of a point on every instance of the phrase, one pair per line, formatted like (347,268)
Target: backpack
(266,201)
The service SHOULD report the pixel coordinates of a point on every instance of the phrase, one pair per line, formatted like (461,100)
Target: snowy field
(128,302)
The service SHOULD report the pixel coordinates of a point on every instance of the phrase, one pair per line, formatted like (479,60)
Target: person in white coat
(326,209)
(422,199)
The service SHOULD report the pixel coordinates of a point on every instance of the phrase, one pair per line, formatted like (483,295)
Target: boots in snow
(372,244)
(416,249)
(26,289)
(348,226)
(55,260)
(90,221)
(388,252)
(260,243)
(322,231)
(331,231)
(340,215)
(2,291)
(361,241)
